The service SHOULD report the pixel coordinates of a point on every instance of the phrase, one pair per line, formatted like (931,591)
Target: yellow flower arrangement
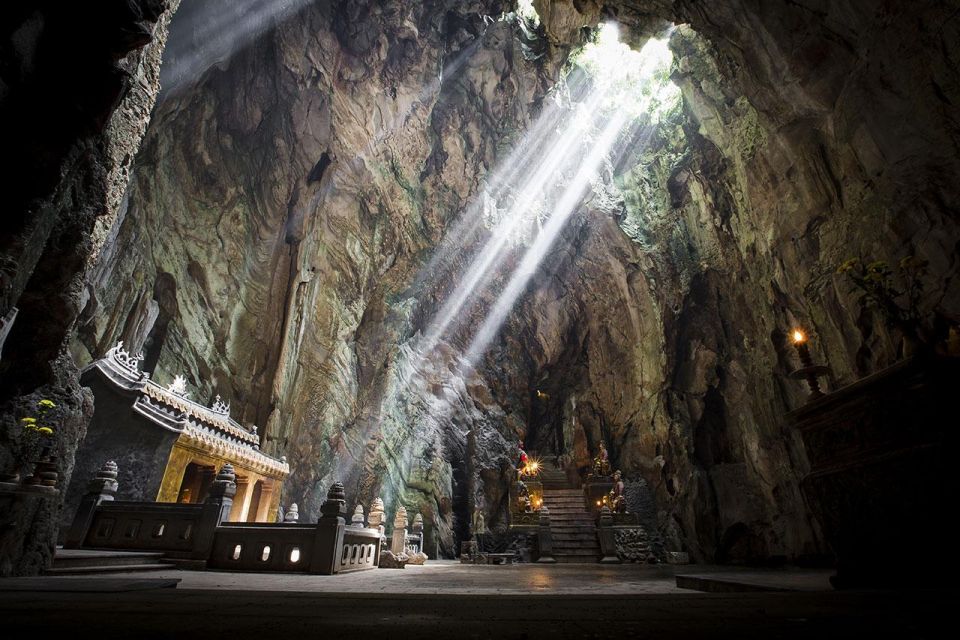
(38,431)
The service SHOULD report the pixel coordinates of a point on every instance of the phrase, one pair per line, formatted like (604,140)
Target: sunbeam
(567,204)
(497,244)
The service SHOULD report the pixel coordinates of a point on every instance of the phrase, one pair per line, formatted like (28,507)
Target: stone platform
(449,600)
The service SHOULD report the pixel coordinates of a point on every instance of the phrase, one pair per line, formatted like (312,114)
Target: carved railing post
(398,543)
(375,519)
(216,509)
(545,537)
(608,540)
(102,488)
(329,537)
(222,490)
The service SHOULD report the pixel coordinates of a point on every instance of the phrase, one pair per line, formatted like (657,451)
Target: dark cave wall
(813,132)
(77,85)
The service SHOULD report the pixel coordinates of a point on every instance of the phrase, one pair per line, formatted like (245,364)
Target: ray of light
(209,33)
(548,165)
(529,150)
(566,205)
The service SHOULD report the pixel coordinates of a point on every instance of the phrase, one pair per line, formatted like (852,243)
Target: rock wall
(77,85)
(284,204)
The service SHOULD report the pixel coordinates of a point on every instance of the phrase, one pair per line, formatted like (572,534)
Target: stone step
(78,558)
(577,559)
(113,568)
(574,534)
(563,492)
(576,553)
(576,544)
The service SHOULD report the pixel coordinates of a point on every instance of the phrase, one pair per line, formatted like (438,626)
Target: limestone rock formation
(284,204)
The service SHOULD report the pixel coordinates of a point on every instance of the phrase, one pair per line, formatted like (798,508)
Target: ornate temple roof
(208,428)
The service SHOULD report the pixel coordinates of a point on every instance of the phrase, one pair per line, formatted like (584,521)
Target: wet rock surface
(270,245)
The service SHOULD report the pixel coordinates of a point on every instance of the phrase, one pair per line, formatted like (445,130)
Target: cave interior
(402,237)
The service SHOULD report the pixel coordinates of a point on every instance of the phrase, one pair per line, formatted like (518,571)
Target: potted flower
(36,441)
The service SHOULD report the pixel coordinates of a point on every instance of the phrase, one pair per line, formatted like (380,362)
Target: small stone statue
(618,501)
(523,498)
(522,461)
(479,523)
(601,464)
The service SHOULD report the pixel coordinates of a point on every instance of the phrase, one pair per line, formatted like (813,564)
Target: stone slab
(85,584)
(747,581)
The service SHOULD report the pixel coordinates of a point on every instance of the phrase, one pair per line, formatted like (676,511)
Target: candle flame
(799,337)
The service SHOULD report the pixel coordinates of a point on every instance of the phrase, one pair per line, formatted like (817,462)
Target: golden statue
(601,464)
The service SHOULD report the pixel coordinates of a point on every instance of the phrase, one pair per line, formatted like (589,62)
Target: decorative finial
(227,473)
(123,358)
(108,471)
(375,517)
(335,505)
(357,518)
(220,407)
(179,386)
(400,520)
(292,514)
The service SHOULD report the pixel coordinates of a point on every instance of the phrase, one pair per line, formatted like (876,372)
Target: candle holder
(808,371)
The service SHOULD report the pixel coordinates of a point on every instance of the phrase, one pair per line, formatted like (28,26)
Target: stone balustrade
(200,532)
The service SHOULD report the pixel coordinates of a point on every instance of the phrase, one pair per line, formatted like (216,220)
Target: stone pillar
(269,501)
(204,484)
(608,541)
(398,543)
(545,538)
(102,488)
(240,500)
(329,537)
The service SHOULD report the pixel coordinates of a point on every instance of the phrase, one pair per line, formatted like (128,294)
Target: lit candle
(800,342)
(807,370)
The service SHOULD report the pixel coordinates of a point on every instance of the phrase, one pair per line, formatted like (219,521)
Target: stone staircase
(572,525)
(68,562)
(550,476)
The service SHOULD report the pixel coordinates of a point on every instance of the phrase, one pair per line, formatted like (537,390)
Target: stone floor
(446,599)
